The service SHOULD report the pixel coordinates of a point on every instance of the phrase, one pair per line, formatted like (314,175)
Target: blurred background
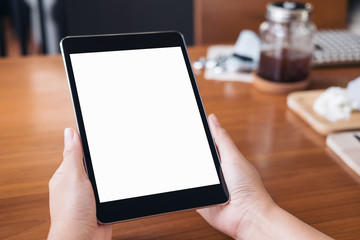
(31,27)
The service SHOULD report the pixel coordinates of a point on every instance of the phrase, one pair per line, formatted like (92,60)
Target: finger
(227,148)
(73,154)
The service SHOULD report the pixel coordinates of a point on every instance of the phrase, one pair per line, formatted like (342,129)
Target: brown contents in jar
(285,65)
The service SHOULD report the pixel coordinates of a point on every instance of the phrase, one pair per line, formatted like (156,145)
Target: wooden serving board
(347,147)
(302,103)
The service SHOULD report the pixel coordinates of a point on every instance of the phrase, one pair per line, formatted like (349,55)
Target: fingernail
(68,134)
(215,120)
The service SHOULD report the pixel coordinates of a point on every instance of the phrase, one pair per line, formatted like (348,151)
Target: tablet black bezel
(125,209)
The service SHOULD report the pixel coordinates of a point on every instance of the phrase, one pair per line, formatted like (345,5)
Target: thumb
(228,151)
(73,154)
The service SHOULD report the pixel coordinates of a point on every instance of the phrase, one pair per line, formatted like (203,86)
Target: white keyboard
(336,47)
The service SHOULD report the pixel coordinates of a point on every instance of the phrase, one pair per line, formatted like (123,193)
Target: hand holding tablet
(71,196)
(251,213)
(147,145)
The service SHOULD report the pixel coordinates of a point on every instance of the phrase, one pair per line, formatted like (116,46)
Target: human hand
(248,196)
(72,202)
(250,213)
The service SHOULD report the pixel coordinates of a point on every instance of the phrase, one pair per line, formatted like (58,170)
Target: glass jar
(286,42)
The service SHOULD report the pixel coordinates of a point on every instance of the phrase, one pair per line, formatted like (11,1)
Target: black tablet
(147,144)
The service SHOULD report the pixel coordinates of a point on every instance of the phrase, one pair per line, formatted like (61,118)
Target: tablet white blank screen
(143,126)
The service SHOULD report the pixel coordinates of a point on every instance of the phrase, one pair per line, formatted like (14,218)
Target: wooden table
(300,172)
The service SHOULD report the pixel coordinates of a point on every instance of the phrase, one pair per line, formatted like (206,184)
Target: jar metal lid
(288,11)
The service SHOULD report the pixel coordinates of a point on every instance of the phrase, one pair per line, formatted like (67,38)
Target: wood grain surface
(300,172)
(347,146)
(302,103)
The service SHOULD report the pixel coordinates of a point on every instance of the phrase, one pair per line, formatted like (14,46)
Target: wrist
(257,219)
(273,222)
